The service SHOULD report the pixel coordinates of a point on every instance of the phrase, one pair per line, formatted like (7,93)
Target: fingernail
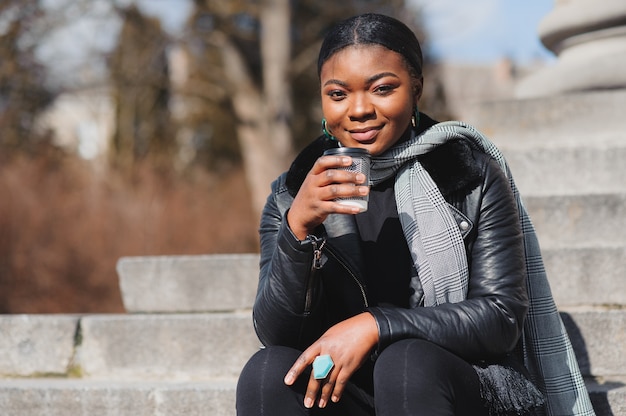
(322,403)
(308,402)
(289,379)
(360,178)
(346,160)
(335,399)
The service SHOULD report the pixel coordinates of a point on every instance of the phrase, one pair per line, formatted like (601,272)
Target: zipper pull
(317,251)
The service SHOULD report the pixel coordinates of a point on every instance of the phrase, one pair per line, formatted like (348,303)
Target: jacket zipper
(318,244)
(354,278)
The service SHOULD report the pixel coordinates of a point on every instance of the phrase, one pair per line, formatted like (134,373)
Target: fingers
(322,391)
(334,182)
(333,169)
(329,389)
(298,367)
(330,162)
(316,198)
(332,192)
(311,392)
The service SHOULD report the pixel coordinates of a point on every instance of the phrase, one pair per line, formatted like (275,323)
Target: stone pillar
(589,38)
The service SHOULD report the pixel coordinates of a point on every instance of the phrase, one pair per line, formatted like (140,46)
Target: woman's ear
(418,87)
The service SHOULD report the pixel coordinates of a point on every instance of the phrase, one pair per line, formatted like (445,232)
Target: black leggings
(410,377)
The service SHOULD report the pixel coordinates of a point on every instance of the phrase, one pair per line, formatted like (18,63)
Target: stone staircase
(189,330)
(567,155)
(178,352)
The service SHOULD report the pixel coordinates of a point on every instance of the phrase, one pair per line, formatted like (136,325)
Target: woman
(420,301)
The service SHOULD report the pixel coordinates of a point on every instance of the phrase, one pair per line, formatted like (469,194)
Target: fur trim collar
(451,165)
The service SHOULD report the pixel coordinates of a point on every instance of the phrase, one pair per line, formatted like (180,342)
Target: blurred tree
(141,89)
(248,57)
(237,67)
(23,93)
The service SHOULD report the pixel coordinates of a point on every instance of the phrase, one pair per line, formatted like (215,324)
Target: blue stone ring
(322,366)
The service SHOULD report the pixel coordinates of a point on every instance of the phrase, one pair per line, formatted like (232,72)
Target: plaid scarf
(439,255)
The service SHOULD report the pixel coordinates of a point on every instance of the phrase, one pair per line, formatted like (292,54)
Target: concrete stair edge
(176,346)
(589,276)
(188,347)
(568,170)
(571,220)
(172,284)
(62,397)
(578,275)
(591,115)
(598,336)
(59,397)
(127,346)
(37,344)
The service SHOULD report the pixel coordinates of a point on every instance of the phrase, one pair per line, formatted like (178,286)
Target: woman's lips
(363,136)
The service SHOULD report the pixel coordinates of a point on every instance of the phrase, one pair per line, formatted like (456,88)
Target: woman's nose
(361,108)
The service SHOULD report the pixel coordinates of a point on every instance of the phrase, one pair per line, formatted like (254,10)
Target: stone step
(75,397)
(148,347)
(598,336)
(608,398)
(36,345)
(201,347)
(192,347)
(593,117)
(578,220)
(568,170)
(209,283)
(124,360)
(63,397)
(579,275)
(568,144)
(172,346)
(587,275)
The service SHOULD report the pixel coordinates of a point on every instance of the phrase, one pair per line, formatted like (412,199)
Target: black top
(387,258)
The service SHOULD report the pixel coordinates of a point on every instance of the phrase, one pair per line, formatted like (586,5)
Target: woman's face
(368,97)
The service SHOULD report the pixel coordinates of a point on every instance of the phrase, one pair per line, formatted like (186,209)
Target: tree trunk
(276,58)
(263,116)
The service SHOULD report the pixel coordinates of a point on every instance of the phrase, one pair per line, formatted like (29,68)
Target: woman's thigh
(417,377)
(261,390)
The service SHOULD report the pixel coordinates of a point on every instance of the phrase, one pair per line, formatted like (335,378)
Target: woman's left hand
(349,343)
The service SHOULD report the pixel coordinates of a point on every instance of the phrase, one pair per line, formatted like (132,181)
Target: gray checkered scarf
(439,255)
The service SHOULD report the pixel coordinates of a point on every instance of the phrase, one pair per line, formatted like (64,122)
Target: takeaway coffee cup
(360,163)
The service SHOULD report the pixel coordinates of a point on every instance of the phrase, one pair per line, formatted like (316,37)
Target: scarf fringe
(507,392)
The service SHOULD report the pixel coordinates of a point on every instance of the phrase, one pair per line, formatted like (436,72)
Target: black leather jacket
(307,286)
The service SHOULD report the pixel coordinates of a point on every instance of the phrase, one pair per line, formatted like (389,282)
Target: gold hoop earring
(415,118)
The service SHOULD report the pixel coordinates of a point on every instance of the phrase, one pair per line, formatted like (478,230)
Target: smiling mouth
(364,136)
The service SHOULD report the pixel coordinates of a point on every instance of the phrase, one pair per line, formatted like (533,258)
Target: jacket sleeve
(279,311)
(489,322)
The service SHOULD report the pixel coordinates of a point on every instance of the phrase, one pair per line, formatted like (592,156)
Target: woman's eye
(383,89)
(336,94)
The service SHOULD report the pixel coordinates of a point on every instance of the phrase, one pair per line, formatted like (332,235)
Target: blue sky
(460,30)
(485,30)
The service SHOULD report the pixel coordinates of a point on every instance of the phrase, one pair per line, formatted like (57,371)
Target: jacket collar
(451,165)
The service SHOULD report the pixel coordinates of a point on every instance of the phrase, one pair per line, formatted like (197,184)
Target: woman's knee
(415,356)
(425,379)
(268,366)
(261,389)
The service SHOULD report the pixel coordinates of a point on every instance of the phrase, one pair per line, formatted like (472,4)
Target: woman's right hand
(323,184)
